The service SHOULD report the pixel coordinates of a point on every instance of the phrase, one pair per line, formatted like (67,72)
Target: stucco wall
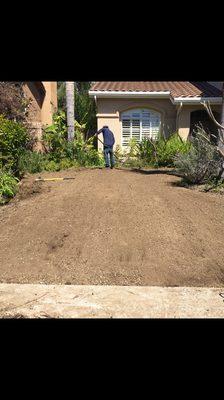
(50,102)
(41,108)
(36,101)
(184,118)
(109,113)
(42,105)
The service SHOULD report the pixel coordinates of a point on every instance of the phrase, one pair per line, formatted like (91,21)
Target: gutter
(115,94)
(196,100)
(165,94)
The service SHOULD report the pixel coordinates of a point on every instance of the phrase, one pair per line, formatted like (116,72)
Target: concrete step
(69,301)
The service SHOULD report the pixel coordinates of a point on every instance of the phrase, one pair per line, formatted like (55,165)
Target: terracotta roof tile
(177,89)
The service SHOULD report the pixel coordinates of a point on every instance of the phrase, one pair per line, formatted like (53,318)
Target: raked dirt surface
(112,227)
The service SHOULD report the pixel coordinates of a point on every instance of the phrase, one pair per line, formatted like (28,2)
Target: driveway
(113,227)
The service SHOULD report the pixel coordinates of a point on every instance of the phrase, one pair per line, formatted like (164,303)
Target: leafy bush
(118,154)
(84,152)
(31,162)
(146,151)
(55,136)
(8,186)
(52,166)
(81,152)
(14,139)
(132,150)
(157,153)
(202,163)
(168,149)
(66,163)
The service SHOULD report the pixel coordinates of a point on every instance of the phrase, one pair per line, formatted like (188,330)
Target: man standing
(109,142)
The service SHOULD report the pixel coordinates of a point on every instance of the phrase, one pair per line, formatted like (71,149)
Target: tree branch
(210,113)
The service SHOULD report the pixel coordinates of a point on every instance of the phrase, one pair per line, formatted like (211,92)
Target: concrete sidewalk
(60,301)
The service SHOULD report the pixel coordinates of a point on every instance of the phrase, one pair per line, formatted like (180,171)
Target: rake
(52,179)
(103,144)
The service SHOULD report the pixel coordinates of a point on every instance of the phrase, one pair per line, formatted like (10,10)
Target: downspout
(178,114)
(95,99)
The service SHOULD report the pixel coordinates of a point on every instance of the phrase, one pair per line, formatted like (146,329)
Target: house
(144,109)
(42,98)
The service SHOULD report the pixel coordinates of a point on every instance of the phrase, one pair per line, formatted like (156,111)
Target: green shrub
(202,163)
(80,151)
(31,162)
(8,186)
(118,154)
(134,163)
(14,139)
(55,136)
(83,152)
(52,166)
(157,153)
(66,163)
(168,149)
(132,150)
(146,151)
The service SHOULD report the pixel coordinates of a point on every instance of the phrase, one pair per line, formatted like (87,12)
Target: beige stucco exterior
(109,111)
(50,102)
(42,98)
(184,118)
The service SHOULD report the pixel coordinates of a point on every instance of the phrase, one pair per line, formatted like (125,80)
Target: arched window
(139,124)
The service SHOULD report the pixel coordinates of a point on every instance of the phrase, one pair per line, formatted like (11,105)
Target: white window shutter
(136,129)
(126,131)
(139,124)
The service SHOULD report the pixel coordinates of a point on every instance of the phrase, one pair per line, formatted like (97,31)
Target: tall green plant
(8,186)
(161,152)
(14,139)
(147,151)
(79,150)
(55,136)
(168,149)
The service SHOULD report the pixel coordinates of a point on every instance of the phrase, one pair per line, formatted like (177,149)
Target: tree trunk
(220,125)
(221,133)
(70,105)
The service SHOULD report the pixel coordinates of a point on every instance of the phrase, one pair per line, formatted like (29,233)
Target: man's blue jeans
(109,156)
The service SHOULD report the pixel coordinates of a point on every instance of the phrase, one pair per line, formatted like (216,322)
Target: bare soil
(115,227)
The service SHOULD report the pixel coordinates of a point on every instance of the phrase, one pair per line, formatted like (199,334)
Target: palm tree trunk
(70,105)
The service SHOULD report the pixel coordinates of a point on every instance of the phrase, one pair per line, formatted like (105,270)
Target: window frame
(132,115)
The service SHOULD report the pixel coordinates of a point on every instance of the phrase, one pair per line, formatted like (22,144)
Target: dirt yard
(112,227)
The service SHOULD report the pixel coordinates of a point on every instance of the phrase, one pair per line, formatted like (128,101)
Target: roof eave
(118,94)
(196,100)
(162,94)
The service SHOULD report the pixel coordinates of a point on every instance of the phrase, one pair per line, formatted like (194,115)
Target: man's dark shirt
(108,137)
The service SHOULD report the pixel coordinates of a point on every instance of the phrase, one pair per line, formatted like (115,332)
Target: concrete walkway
(60,301)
